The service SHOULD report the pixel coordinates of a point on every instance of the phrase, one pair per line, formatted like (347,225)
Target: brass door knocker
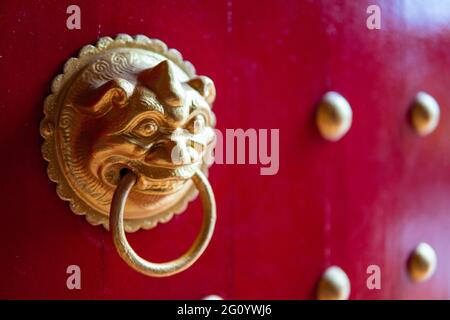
(127,128)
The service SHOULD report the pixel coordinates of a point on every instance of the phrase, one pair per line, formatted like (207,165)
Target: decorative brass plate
(127,103)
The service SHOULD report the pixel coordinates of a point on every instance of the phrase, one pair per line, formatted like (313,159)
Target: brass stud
(422,262)
(334,116)
(333,285)
(213,297)
(425,114)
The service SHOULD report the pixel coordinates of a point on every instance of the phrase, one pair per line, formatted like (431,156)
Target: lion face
(158,127)
(128,104)
(141,115)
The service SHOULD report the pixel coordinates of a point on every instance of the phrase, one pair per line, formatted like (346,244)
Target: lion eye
(146,128)
(197,124)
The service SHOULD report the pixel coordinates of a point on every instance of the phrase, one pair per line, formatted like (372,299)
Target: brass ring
(171,267)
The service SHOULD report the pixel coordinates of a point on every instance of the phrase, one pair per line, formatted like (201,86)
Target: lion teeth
(147,184)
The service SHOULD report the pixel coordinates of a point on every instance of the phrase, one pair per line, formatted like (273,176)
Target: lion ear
(101,100)
(204,86)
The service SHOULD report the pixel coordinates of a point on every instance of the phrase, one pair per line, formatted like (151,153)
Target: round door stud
(334,116)
(213,297)
(425,114)
(422,262)
(333,285)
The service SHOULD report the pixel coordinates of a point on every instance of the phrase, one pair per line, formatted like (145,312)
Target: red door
(367,199)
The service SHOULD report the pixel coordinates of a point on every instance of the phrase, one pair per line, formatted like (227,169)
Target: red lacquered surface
(367,199)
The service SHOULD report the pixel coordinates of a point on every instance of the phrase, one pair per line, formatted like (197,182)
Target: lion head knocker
(129,105)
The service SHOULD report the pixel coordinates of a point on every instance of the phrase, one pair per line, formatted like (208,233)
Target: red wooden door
(367,199)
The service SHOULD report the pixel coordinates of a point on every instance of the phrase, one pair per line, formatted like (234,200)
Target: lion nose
(172,153)
(181,153)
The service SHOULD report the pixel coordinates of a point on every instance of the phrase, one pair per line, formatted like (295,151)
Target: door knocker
(126,129)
